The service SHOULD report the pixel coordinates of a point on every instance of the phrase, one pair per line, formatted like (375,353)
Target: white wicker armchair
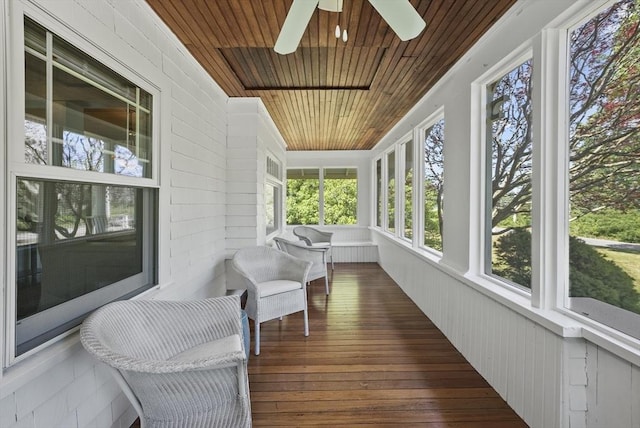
(316,255)
(276,285)
(315,238)
(180,363)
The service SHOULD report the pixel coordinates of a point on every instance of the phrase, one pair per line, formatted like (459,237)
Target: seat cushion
(209,349)
(321,244)
(269,288)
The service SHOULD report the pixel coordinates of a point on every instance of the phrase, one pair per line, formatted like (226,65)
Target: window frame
(386,202)
(17,168)
(421,131)
(322,195)
(321,203)
(276,182)
(559,297)
(401,154)
(481,151)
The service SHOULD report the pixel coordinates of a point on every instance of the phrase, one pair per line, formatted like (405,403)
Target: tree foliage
(605,110)
(340,201)
(604,118)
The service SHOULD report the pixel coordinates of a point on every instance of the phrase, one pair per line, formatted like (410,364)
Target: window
(303,196)
(433,185)
(508,183)
(407,193)
(273,196)
(379,197)
(93,120)
(391,191)
(330,194)
(272,210)
(79,243)
(604,167)
(340,186)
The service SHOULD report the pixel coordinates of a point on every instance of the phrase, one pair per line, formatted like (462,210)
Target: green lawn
(629,261)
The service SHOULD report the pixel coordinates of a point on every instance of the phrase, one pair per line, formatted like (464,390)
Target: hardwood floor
(372,359)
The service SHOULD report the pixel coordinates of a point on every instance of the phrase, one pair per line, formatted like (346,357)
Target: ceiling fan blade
(330,5)
(294,25)
(401,17)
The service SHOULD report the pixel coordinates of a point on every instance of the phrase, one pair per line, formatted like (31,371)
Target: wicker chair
(316,255)
(180,363)
(315,238)
(276,285)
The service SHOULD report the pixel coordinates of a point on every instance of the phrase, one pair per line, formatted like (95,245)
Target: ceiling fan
(399,14)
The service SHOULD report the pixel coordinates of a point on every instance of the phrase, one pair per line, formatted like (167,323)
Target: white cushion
(209,349)
(269,288)
(321,244)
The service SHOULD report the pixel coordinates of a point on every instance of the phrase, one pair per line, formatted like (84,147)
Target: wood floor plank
(372,359)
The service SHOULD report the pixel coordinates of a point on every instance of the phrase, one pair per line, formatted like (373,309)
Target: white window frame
(322,203)
(401,151)
(279,207)
(321,170)
(480,148)
(421,132)
(377,196)
(385,168)
(16,166)
(556,49)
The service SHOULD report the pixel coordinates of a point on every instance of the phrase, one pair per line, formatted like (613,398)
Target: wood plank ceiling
(328,95)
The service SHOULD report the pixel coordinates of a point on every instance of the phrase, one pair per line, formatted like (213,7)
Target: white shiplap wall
(62,386)
(251,136)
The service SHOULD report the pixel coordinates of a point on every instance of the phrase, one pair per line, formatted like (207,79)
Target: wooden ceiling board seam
(215,34)
(225,78)
(436,27)
(216,15)
(176,23)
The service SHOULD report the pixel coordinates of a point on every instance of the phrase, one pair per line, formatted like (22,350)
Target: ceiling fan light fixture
(344,35)
(338,31)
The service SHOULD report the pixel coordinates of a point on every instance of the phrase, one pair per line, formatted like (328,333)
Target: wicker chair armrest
(145,333)
(139,365)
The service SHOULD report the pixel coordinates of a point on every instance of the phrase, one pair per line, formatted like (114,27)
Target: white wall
(251,137)
(61,385)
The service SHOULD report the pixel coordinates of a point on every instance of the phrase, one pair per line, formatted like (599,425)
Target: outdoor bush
(590,273)
(609,224)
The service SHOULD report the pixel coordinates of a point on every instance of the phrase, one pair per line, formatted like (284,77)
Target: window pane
(379,206)
(74,239)
(407,230)
(434,185)
(508,231)
(100,121)
(303,196)
(272,204)
(391,191)
(35,123)
(604,168)
(340,195)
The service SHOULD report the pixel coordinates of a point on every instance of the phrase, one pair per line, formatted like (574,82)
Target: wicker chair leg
(306,322)
(257,334)
(326,284)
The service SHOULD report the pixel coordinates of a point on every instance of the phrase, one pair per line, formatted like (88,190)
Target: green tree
(302,201)
(340,201)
